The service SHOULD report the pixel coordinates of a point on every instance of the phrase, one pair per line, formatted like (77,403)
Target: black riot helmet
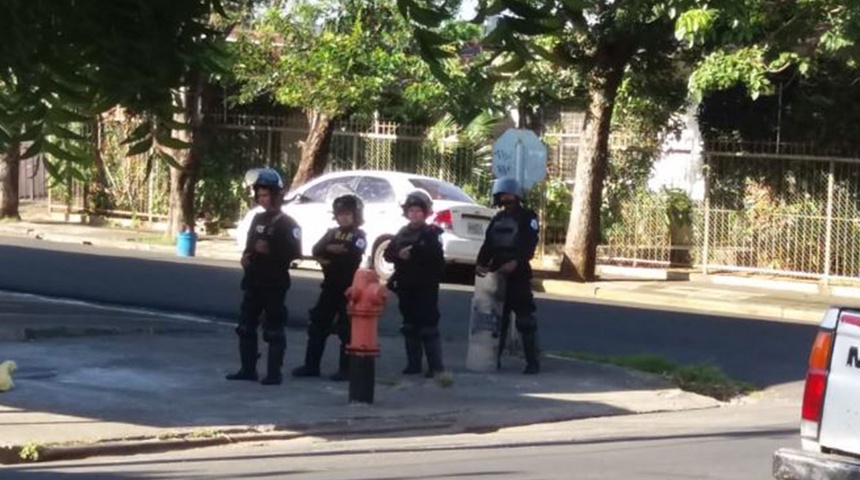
(418,198)
(349,203)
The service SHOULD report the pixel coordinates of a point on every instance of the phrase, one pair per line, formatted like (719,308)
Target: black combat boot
(342,373)
(433,350)
(274,364)
(530,349)
(313,357)
(414,352)
(248,356)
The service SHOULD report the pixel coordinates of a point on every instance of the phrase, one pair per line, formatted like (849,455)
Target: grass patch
(703,379)
(154,240)
(30,452)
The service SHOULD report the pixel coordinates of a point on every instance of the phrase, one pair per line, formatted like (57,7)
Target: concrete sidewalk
(794,301)
(144,383)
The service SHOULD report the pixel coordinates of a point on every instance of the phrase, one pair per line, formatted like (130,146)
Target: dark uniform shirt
(511,235)
(339,268)
(426,263)
(282,235)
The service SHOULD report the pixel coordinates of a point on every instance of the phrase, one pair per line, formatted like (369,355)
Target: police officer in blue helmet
(509,246)
(273,242)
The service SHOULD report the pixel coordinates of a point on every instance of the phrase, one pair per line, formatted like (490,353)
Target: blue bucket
(186,244)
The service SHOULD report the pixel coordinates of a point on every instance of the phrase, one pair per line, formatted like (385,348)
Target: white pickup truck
(830,419)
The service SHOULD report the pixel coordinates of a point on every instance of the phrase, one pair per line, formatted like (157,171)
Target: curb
(27,454)
(26,334)
(790,313)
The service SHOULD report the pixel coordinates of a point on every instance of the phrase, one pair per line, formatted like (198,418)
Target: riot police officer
(419,264)
(339,252)
(509,246)
(274,241)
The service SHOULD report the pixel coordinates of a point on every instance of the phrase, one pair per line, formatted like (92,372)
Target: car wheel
(383,268)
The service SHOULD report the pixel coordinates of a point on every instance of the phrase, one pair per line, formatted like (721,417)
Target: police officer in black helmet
(339,252)
(419,263)
(509,246)
(274,241)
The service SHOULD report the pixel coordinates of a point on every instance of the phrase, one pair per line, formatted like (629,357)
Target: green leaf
(140,147)
(403,7)
(65,134)
(532,27)
(217,7)
(427,17)
(77,174)
(498,35)
(172,124)
(62,154)
(169,159)
(31,133)
(164,139)
(524,10)
(51,168)
(430,38)
(139,133)
(62,115)
(34,149)
(511,66)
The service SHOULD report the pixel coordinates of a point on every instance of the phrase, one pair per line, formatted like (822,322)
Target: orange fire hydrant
(366,302)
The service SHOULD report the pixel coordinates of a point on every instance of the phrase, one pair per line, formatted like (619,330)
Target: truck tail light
(816,383)
(444,220)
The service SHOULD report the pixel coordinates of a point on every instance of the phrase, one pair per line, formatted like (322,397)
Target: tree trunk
(315,149)
(183,180)
(9,172)
(583,231)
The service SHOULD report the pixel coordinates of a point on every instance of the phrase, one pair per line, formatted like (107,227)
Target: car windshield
(440,190)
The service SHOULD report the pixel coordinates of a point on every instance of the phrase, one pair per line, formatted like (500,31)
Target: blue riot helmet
(506,185)
(269,179)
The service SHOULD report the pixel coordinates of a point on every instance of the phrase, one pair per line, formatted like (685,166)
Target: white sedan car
(462,220)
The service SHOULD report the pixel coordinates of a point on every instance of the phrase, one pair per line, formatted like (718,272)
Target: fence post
(706,251)
(828,236)
(354,149)
(149,194)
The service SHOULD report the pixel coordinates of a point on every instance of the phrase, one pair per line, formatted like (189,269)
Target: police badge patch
(360,243)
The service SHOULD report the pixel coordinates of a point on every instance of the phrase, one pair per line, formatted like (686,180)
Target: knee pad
(317,330)
(274,337)
(342,330)
(428,332)
(409,330)
(526,324)
(243,331)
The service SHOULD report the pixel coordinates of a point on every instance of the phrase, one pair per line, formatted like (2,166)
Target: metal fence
(793,213)
(136,188)
(788,211)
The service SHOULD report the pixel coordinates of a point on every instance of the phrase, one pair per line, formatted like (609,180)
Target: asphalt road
(733,443)
(764,352)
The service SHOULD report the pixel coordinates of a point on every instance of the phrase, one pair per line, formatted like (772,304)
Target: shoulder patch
(534,224)
(360,243)
(297,233)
